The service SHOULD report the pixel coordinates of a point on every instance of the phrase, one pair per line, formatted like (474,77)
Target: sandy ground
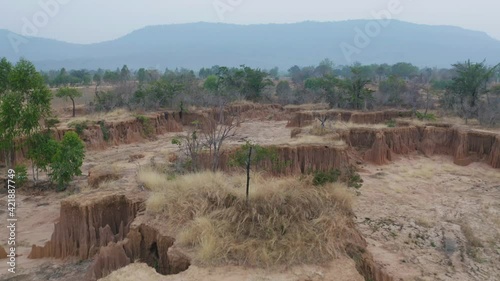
(339,270)
(424,219)
(427,219)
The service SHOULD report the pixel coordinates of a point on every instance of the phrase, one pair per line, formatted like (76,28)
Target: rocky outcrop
(466,146)
(379,152)
(107,227)
(144,243)
(378,146)
(88,222)
(292,160)
(494,159)
(305,118)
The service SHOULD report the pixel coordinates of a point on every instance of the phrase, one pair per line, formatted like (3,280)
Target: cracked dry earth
(428,219)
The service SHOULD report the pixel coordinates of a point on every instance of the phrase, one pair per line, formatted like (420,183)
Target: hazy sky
(88,21)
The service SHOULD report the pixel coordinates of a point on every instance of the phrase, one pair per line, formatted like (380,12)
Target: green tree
(42,148)
(125,74)
(355,90)
(69,93)
(5,69)
(283,91)
(329,85)
(141,76)
(211,84)
(24,103)
(274,73)
(468,87)
(393,88)
(111,77)
(404,70)
(254,83)
(67,160)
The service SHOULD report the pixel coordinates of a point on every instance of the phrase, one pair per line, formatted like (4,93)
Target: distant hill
(199,45)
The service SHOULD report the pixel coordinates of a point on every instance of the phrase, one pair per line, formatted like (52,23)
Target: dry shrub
(152,179)
(318,130)
(103,173)
(134,157)
(110,185)
(288,221)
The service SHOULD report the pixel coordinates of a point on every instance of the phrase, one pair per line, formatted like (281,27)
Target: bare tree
(216,131)
(323,119)
(191,145)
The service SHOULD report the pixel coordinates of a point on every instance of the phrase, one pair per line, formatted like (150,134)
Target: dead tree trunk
(248,173)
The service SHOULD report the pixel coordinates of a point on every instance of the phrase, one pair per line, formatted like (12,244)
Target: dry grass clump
(316,134)
(151,179)
(288,221)
(308,106)
(115,115)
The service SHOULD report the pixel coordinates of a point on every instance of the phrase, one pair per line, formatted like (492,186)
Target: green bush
(391,123)
(425,116)
(79,126)
(21,175)
(104,130)
(322,178)
(68,160)
(259,154)
(353,178)
(146,125)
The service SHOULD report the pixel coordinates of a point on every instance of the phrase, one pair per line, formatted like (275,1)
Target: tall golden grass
(287,220)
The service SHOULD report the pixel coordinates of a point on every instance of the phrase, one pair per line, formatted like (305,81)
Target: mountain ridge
(201,44)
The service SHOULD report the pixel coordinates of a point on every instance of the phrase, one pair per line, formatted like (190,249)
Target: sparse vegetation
(147,127)
(104,130)
(321,178)
(79,126)
(425,116)
(391,123)
(21,175)
(287,222)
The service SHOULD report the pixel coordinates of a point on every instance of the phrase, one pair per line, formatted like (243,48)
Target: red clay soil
(104,227)
(119,242)
(87,223)
(294,159)
(378,145)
